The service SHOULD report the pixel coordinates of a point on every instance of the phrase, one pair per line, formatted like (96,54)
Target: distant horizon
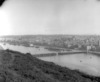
(53,34)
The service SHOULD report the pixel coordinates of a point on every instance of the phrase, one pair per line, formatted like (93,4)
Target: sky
(19,17)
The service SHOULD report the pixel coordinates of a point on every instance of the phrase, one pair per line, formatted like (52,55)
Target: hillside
(18,67)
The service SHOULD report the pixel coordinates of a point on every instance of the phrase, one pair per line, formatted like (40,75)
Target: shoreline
(66,52)
(30,68)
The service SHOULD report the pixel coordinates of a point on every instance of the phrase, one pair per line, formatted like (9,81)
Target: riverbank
(19,67)
(44,51)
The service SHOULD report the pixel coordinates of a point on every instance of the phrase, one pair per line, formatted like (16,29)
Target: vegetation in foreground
(18,67)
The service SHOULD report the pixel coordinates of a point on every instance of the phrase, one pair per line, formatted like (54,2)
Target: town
(56,42)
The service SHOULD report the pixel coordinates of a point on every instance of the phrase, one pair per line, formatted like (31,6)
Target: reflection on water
(87,63)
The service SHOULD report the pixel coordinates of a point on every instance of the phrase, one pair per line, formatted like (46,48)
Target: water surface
(23,49)
(86,63)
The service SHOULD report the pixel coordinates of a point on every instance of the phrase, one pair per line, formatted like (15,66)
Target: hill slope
(18,67)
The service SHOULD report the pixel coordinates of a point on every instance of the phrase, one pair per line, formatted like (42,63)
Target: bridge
(67,53)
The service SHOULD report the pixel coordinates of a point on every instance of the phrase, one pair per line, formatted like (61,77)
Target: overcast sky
(50,17)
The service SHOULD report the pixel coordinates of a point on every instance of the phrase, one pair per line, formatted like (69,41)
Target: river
(87,63)
(23,49)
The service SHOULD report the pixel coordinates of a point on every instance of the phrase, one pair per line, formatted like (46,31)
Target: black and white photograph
(49,40)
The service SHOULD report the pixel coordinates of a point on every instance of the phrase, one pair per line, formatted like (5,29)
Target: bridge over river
(67,53)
